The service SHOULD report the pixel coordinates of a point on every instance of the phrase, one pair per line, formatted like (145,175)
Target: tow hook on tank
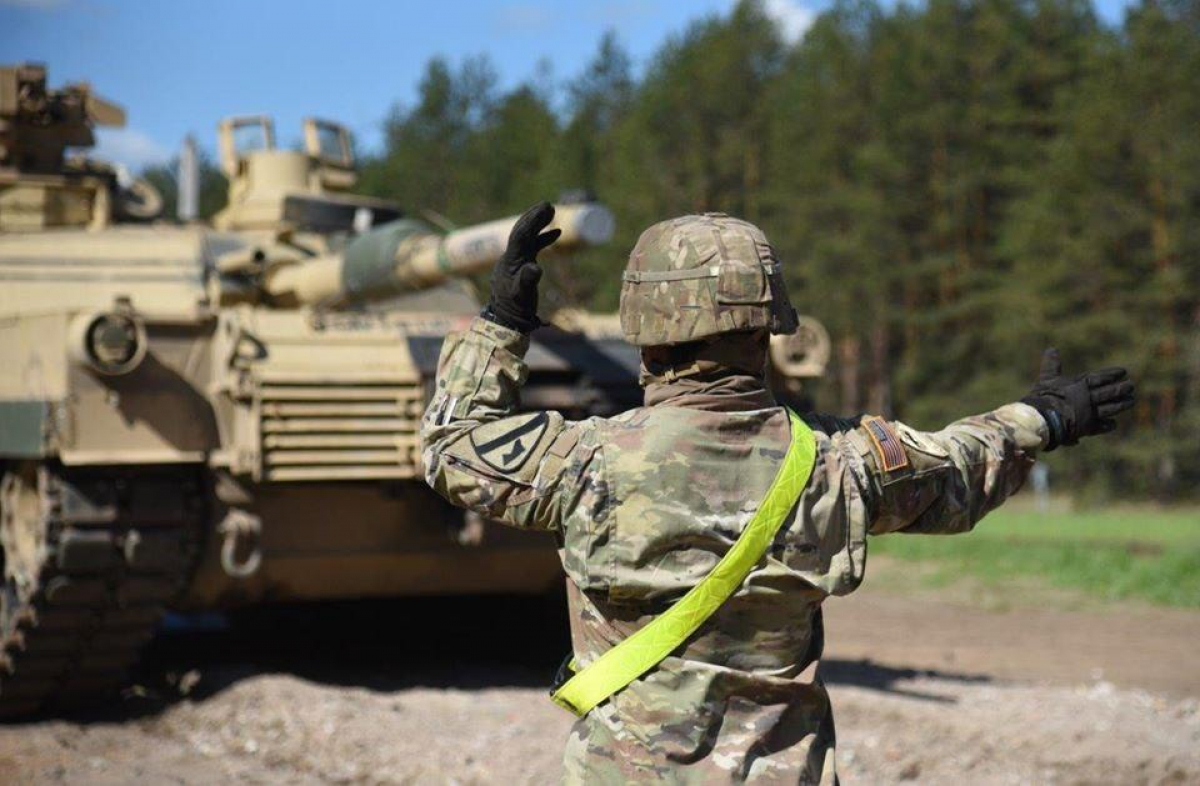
(469,531)
(242,531)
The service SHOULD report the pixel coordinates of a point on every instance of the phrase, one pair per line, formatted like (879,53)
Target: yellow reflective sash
(642,651)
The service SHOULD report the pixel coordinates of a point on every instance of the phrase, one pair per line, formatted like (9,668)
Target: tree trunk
(849,349)
(879,398)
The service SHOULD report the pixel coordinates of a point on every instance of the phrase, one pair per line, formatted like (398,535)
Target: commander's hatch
(293,190)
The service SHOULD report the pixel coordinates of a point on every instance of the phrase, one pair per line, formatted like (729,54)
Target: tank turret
(316,244)
(303,190)
(42,183)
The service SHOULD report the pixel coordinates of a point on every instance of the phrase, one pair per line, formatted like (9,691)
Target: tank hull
(332,540)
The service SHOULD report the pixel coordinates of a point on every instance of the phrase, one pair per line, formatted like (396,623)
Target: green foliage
(953,186)
(1136,554)
(1148,526)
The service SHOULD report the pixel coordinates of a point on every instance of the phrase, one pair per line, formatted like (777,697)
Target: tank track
(120,547)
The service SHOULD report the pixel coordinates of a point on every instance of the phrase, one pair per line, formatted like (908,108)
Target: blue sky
(178,66)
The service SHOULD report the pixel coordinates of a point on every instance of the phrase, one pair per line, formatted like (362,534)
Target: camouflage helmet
(695,277)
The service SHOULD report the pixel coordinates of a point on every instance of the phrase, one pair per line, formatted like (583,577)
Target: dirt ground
(925,691)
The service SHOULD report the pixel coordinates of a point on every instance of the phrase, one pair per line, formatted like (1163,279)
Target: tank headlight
(110,343)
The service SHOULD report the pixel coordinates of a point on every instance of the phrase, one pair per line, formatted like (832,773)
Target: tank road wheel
(91,558)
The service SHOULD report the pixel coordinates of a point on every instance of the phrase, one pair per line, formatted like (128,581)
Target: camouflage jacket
(645,503)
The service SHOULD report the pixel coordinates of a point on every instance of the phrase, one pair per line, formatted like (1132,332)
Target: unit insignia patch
(506,445)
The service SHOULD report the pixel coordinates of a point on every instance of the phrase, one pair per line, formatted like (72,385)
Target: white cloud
(793,18)
(128,146)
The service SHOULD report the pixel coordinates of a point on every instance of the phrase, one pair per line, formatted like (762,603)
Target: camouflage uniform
(645,503)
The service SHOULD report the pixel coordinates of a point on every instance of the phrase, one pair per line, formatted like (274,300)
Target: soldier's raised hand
(514,299)
(1081,406)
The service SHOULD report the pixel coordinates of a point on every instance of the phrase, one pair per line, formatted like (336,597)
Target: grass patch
(1147,554)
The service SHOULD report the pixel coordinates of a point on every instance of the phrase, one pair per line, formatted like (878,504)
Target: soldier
(711,521)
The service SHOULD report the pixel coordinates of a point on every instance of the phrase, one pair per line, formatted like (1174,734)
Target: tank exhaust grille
(340,427)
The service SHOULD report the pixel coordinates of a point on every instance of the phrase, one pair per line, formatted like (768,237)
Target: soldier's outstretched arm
(525,469)
(946,481)
(528,469)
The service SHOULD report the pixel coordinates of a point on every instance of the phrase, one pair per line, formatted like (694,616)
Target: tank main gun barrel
(408,256)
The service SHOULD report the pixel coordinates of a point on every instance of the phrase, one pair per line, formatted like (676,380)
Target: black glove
(1081,406)
(831,424)
(514,299)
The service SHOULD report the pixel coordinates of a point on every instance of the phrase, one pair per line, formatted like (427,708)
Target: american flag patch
(887,444)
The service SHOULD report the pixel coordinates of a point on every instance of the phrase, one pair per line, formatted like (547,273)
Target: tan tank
(196,417)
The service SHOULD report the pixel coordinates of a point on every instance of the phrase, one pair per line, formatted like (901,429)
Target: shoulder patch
(506,445)
(886,442)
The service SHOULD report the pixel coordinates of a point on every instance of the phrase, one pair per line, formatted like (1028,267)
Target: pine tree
(423,166)
(1107,240)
